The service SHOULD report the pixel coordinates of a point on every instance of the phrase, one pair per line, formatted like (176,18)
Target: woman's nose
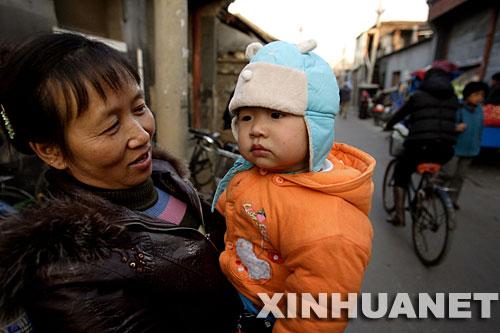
(140,135)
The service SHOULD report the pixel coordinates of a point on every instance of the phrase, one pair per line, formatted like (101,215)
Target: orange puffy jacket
(300,233)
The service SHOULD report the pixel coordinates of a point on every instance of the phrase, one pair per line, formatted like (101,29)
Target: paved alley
(472,264)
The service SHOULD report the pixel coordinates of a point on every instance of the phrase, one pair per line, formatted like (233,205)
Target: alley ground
(472,265)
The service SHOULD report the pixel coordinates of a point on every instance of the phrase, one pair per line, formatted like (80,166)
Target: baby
(296,207)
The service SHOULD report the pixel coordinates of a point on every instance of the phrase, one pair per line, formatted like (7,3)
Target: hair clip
(6,122)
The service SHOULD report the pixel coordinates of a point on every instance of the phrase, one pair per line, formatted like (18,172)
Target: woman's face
(109,144)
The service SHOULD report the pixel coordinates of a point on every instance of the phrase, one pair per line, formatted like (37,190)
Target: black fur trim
(179,165)
(58,229)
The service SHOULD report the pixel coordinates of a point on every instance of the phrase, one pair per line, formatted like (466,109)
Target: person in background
(398,97)
(297,205)
(364,104)
(345,99)
(429,115)
(117,244)
(494,95)
(491,107)
(470,129)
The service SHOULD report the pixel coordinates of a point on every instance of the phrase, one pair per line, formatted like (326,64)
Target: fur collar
(56,230)
(179,165)
(67,228)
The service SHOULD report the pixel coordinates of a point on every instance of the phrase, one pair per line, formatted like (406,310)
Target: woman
(114,246)
(430,117)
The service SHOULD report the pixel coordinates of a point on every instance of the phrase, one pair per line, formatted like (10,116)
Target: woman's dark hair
(37,74)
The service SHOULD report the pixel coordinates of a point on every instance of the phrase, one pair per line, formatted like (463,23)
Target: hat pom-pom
(252,49)
(307,46)
(246,75)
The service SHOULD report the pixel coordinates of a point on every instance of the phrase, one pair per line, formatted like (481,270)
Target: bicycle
(210,159)
(430,207)
(12,199)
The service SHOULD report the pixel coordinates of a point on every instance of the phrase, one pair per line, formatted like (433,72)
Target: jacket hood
(350,178)
(438,83)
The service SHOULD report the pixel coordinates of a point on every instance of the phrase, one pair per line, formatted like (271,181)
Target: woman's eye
(113,128)
(276,115)
(141,108)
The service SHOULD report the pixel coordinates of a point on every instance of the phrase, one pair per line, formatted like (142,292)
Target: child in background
(297,206)
(470,128)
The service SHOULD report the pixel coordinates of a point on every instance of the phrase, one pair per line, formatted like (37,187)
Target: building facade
(468,34)
(188,52)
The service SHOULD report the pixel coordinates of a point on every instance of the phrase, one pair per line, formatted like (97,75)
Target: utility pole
(375,42)
(169,99)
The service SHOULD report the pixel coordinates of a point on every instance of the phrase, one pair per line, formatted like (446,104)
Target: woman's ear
(50,154)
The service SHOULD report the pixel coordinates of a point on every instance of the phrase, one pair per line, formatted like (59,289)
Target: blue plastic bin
(491,137)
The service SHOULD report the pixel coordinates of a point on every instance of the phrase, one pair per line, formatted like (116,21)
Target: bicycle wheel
(201,167)
(388,187)
(15,198)
(430,229)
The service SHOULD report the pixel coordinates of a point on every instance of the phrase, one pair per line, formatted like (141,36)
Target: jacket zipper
(143,222)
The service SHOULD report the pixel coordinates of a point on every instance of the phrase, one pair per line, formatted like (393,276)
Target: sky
(334,24)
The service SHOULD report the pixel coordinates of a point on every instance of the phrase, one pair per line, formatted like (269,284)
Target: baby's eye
(245,118)
(276,114)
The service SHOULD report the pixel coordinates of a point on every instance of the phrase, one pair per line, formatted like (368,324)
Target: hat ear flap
(307,46)
(252,49)
(234,127)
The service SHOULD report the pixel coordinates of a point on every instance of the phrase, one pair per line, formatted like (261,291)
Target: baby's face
(273,140)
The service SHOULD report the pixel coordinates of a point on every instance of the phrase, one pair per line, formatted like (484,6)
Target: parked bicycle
(430,207)
(12,198)
(210,159)
(18,174)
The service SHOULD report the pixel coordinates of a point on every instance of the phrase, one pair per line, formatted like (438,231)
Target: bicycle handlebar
(228,154)
(203,133)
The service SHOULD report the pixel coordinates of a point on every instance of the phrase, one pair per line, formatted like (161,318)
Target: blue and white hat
(292,79)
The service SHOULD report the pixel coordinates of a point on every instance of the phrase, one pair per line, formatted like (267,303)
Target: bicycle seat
(431,168)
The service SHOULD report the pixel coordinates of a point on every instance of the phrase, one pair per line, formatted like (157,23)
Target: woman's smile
(143,162)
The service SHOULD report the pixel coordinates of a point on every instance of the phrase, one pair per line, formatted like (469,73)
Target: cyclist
(430,117)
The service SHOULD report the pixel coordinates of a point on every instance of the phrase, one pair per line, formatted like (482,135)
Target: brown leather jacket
(78,263)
